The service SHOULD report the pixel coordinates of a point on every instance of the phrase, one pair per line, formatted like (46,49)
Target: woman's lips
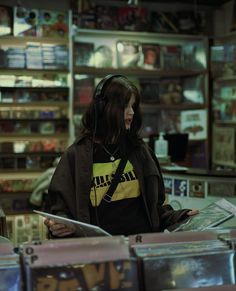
(128,122)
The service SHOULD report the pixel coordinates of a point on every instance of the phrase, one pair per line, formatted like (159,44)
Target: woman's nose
(130,110)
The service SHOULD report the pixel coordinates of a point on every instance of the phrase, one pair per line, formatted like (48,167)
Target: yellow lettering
(93,275)
(68,285)
(49,284)
(115,276)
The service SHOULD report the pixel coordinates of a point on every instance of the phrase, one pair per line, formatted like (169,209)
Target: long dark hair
(107,124)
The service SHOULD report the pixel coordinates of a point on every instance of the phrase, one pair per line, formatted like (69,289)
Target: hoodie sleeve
(61,190)
(168,217)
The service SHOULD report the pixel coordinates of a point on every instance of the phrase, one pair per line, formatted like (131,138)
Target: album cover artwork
(194,56)
(151,56)
(129,54)
(87,18)
(224,94)
(168,183)
(25,21)
(101,262)
(221,189)
(117,275)
(53,23)
(84,54)
(180,187)
(169,121)
(84,88)
(6,20)
(106,17)
(149,89)
(172,56)
(104,57)
(198,270)
(197,188)
(191,21)
(163,22)
(133,18)
(47,127)
(171,91)
(194,122)
(193,89)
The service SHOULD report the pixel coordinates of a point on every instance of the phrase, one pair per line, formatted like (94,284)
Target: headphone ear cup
(99,98)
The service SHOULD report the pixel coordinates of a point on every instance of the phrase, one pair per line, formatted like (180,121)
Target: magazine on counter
(212,215)
(82,229)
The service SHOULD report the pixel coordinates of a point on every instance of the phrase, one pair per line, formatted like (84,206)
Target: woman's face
(129,112)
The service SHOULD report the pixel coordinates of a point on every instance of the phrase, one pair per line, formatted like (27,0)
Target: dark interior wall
(65,4)
(62,5)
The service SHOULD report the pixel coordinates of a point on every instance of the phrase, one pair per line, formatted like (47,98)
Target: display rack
(34,113)
(223,73)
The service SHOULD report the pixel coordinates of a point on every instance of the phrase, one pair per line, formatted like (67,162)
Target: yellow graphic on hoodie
(103,173)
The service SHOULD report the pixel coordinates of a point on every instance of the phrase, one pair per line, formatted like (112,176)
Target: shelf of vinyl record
(34,126)
(159,64)
(136,53)
(26,153)
(20,54)
(34,96)
(16,189)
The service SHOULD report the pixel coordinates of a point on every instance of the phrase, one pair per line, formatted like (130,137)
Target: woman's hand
(59,229)
(192,212)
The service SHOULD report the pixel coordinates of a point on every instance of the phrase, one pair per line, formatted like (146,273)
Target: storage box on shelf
(169,69)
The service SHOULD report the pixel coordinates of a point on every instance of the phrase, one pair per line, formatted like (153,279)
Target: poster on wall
(197,188)
(223,149)
(168,182)
(180,187)
(194,122)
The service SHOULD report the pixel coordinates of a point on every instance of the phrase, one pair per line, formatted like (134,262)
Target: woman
(110,133)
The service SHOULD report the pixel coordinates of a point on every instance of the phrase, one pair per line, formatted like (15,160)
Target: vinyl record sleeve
(212,215)
(196,270)
(120,275)
(82,229)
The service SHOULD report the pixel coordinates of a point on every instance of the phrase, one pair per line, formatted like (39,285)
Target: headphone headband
(100,87)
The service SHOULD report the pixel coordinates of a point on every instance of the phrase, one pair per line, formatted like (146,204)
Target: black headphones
(99,97)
